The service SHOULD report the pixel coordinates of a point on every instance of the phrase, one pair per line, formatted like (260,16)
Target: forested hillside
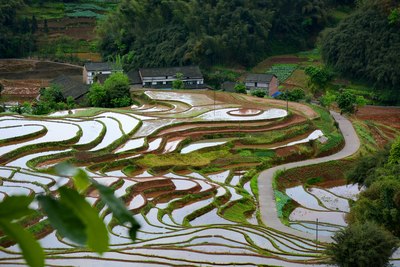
(16,35)
(366,46)
(163,33)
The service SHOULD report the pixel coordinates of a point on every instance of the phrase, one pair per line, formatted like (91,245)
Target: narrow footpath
(266,192)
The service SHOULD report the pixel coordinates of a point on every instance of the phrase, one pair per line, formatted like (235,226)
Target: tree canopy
(362,245)
(114,92)
(16,34)
(366,46)
(164,33)
(380,202)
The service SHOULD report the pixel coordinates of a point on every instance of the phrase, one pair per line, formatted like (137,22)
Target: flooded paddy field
(195,196)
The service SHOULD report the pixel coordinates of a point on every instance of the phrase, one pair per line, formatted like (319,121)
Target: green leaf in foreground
(15,207)
(81,180)
(63,219)
(65,169)
(118,208)
(96,231)
(31,249)
(79,176)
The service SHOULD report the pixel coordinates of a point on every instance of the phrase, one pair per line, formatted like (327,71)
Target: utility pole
(214,103)
(316,230)
(287,102)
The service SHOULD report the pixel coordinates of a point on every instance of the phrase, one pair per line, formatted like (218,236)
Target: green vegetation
(315,180)
(364,46)
(276,135)
(362,245)
(176,159)
(239,211)
(17,37)
(379,202)
(178,83)
(327,125)
(258,93)
(294,95)
(210,32)
(51,99)
(281,200)
(346,102)
(318,78)
(240,88)
(283,71)
(114,92)
(368,144)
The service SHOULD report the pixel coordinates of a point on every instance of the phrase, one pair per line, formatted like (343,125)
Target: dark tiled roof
(134,77)
(100,66)
(258,77)
(71,86)
(188,71)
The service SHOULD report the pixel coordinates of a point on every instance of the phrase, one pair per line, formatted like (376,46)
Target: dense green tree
(295,95)
(15,39)
(97,95)
(114,92)
(363,172)
(327,99)
(117,85)
(365,46)
(165,33)
(52,94)
(362,245)
(346,102)
(318,78)
(380,202)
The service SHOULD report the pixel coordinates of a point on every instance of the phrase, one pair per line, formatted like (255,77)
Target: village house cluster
(157,78)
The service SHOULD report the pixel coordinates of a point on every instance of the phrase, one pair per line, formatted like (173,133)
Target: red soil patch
(26,88)
(389,116)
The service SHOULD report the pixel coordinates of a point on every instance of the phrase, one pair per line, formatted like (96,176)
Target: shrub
(240,88)
(258,93)
(362,245)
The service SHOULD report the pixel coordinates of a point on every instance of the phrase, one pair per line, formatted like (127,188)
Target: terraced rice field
(196,199)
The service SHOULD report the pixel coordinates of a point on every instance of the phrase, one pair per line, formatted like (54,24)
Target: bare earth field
(25,77)
(389,116)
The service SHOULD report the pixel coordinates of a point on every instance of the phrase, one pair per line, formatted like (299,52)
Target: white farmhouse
(94,69)
(163,77)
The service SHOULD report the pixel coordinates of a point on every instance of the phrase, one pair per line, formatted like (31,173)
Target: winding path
(266,192)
